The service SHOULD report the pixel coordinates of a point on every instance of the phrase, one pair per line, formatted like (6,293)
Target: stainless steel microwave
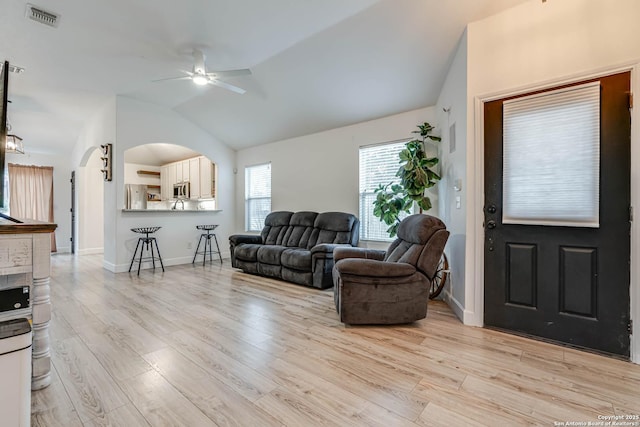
(181,191)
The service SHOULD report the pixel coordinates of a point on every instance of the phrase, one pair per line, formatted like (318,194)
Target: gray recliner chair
(378,287)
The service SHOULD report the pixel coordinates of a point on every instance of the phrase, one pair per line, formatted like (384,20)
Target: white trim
(476,219)
(91,251)
(397,141)
(552,92)
(570,79)
(475,247)
(634,291)
(454,304)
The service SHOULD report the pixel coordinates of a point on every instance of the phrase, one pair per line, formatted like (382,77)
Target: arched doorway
(89,205)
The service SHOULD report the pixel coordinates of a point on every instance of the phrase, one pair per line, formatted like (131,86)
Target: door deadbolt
(491,209)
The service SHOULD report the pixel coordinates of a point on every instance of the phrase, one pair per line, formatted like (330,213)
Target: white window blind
(378,165)
(551,158)
(257,181)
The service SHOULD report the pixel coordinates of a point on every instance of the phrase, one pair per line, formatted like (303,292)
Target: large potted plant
(415,175)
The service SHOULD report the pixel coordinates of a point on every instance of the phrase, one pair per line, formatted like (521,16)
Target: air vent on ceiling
(42,16)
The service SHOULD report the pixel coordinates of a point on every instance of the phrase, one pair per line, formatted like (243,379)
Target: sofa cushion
(298,259)
(300,229)
(414,231)
(276,225)
(334,227)
(247,251)
(270,254)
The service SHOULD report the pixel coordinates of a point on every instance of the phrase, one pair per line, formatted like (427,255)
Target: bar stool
(149,241)
(207,241)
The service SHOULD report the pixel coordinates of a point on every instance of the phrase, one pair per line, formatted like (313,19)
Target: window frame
(248,219)
(362,195)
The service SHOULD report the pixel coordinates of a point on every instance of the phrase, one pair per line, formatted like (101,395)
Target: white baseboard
(91,251)
(62,250)
(455,305)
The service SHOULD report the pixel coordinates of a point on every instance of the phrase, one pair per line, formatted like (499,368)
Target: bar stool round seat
(207,243)
(149,242)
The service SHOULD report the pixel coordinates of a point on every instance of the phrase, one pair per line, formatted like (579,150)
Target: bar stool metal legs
(149,242)
(207,244)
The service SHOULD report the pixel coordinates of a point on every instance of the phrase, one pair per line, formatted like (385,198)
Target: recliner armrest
(236,239)
(374,268)
(327,249)
(361,253)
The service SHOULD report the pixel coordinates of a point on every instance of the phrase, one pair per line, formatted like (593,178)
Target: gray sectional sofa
(296,247)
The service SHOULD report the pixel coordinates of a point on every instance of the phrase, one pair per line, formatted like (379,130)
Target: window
(257,195)
(378,165)
(552,158)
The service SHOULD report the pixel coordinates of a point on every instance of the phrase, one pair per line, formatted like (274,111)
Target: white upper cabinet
(207,179)
(199,172)
(185,171)
(194,177)
(167,178)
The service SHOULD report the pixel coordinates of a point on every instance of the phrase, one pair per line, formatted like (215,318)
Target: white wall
(452,111)
(319,172)
(131,175)
(90,205)
(141,123)
(101,129)
(535,45)
(61,190)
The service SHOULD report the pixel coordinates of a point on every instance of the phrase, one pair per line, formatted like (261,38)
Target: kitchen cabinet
(207,178)
(167,178)
(194,177)
(185,171)
(198,171)
(178,168)
(182,171)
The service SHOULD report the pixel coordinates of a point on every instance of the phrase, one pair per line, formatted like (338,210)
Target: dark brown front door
(564,283)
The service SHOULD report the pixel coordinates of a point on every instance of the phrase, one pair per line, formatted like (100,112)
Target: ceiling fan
(200,76)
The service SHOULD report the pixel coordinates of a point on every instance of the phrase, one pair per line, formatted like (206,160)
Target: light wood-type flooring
(207,346)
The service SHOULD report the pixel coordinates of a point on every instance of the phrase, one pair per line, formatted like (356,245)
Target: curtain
(31,194)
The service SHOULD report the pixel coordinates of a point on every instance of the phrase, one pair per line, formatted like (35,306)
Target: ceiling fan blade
(227,86)
(172,78)
(229,73)
(187,75)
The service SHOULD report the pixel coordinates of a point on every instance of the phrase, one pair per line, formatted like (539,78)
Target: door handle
(491,224)
(491,209)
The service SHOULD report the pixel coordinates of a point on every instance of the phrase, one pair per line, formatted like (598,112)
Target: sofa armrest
(374,268)
(236,239)
(363,253)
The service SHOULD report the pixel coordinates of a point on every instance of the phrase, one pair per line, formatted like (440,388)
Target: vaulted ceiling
(316,64)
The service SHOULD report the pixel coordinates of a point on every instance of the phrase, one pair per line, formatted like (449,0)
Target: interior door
(567,283)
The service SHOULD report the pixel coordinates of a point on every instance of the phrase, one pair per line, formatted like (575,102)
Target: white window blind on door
(378,165)
(257,181)
(551,158)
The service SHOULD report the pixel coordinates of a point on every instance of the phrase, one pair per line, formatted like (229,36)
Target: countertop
(9,226)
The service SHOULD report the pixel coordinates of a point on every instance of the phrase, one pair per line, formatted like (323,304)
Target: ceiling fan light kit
(199,79)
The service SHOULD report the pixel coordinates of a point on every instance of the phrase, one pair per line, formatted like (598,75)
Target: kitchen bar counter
(25,260)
